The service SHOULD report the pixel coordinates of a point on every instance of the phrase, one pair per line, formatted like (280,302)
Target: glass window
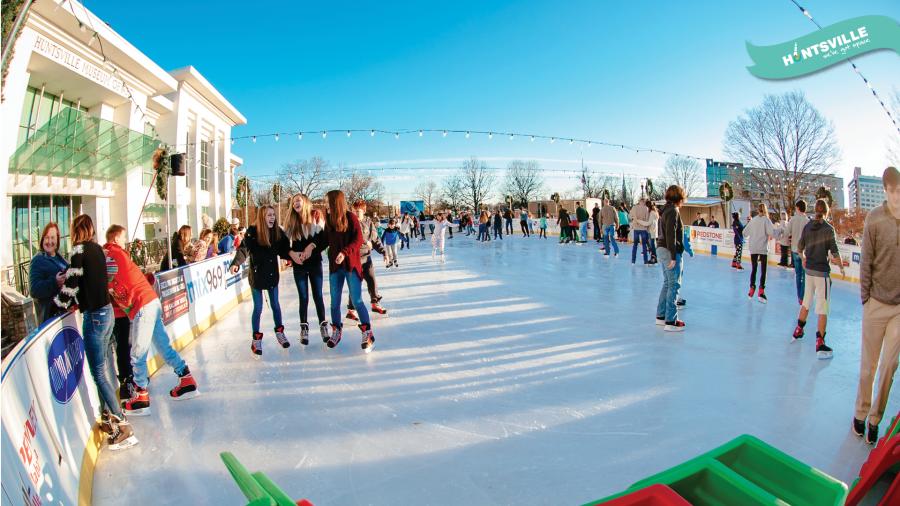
(204,165)
(38,110)
(148,173)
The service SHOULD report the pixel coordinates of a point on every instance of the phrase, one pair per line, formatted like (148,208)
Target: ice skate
(762,296)
(139,403)
(186,387)
(335,338)
(798,331)
(304,334)
(351,315)
(751,292)
(378,309)
(122,435)
(675,326)
(282,339)
(823,352)
(323,330)
(368,338)
(859,427)
(256,345)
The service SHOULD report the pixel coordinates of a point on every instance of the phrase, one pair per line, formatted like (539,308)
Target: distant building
(746,186)
(866,192)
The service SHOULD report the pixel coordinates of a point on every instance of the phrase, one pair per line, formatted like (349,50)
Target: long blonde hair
(337,210)
(301,225)
(262,230)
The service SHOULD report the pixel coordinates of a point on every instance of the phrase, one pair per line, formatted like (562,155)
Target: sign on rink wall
(49,402)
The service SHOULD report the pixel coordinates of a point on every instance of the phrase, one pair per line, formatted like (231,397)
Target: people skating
(669,249)
(624,224)
(564,226)
(653,229)
(389,238)
(47,274)
(738,228)
(595,219)
(307,240)
(640,221)
(879,287)
(86,288)
(344,241)
(136,298)
(795,230)
(680,301)
(523,222)
(817,242)
(498,225)
(783,236)
(371,241)
(483,224)
(263,243)
(449,218)
(581,214)
(609,222)
(507,220)
(405,226)
(758,233)
(573,228)
(542,229)
(437,239)
(421,226)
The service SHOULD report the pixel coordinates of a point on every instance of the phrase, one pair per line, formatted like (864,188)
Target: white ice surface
(519,372)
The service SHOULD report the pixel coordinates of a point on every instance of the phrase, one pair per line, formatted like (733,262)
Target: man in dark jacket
(371,241)
(595,217)
(816,243)
(669,247)
(582,215)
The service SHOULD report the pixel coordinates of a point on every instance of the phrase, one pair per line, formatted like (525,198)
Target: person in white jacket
(405,229)
(653,228)
(437,237)
(757,234)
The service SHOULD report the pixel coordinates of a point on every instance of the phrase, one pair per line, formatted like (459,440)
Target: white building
(866,192)
(77,134)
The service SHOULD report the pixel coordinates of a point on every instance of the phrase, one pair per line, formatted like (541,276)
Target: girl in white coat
(757,234)
(437,238)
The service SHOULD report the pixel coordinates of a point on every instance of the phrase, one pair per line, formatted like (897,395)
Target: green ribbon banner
(825,47)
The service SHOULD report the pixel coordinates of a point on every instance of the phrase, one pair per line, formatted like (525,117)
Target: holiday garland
(240,192)
(726,192)
(277,192)
(649,189)
(163,171)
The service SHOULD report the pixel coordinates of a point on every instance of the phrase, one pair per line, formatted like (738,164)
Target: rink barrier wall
(50,442)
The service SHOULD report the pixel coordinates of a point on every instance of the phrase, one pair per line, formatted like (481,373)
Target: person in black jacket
(816,242)
(47,274)
(307,242)
(498,225)
(669,247)
(86,288)
(263,244)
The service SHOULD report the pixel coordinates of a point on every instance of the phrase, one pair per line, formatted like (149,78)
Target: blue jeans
(354,284)
(404,241)
(498,232)
(609,234)
(643,237)
(799,274)
(583,231)
(146,327)
(422,230)
(304,277)
(666,307)
(258,305)
(97,328)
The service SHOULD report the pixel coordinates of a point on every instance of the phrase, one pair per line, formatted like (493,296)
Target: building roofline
(193,77)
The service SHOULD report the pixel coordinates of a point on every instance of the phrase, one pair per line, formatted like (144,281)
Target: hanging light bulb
(467,135)
(571,141)
(277,137)
(512,137)
(324,134)
(421,133)
(532,138)
(589,143)
(253,139)
(490,135)
(372,133)
(82,27)
(300,136)
(91,41)
(396,135)
(445,133)
(348,133)
(552,140)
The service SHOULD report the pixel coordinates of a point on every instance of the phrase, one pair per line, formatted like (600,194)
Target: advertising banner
(412,207)
(172,294)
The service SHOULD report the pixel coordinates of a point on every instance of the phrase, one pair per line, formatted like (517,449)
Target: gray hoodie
(797,223)
(879,268)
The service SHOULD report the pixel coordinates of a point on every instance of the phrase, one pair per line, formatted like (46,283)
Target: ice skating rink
(518,372)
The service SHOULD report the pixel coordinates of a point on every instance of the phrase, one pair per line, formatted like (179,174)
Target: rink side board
(50,442)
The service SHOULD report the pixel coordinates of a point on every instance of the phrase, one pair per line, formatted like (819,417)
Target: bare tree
(523,181)
(309,177)
(477,182)
(428,192)
(789,136)
(686,173)
(363,187)
(452,192)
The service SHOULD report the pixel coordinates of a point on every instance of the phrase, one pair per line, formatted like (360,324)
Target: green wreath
(277,192)
(163,170)
(649,189)
(726,192)
(241,191)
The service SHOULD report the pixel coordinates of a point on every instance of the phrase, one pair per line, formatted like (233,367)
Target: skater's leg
(354,283)
(764,261)
(315,281)
(257,309)
(799,275)
(634,245)
(371,283)
(645,238)
(336,288)
(97,327)
(275,305)
(754,259)
(887,367)
(153,317)
(122,338)
(301,280)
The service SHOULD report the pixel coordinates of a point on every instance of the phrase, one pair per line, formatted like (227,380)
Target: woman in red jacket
(344,240)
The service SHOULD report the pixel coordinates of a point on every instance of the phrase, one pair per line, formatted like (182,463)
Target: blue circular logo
(65,361)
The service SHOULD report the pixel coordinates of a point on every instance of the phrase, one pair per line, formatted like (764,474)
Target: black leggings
(738,251)
(368,269)
(121,334)
(764,259)
(524,225)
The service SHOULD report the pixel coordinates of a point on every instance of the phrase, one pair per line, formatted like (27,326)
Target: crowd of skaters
(121,310)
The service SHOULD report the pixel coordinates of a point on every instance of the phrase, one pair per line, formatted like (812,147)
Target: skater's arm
(242,252)
(68,293)
(866,260)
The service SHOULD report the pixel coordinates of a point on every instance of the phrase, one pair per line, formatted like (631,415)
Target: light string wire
(855,69)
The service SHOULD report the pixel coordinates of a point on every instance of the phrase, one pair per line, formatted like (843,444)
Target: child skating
(389,238)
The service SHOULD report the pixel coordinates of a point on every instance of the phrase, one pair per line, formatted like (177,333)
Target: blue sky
(668,75)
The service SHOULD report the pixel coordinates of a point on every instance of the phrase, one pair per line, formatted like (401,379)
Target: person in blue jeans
(669,249)
(86,287)
(609,221)
(263,244)
(640,220)
(307,241)
(795,231)
(345,238)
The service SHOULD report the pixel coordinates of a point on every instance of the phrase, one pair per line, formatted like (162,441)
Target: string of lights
(856,69)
